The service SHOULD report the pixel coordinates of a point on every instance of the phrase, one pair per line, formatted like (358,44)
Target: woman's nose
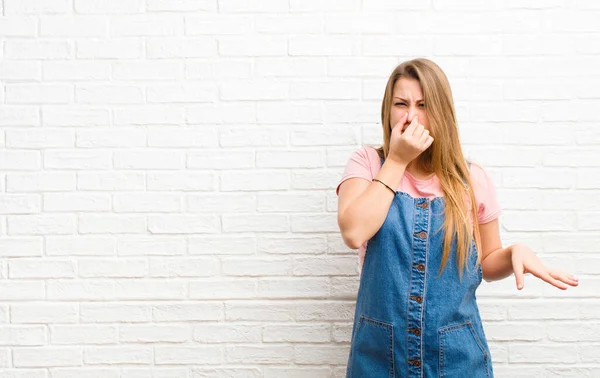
(412,112)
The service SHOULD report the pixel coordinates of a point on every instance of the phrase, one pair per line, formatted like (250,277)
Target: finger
(429,142)
(566,278)
(548,278)
(519,277)
(402,121)
(412,127)
(558,275)
(418,132)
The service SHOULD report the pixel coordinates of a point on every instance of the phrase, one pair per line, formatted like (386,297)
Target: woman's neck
(418,173)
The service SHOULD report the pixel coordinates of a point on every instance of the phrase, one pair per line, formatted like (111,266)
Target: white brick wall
(167,175)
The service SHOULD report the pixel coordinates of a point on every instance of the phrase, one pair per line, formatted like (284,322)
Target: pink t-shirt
(365,163)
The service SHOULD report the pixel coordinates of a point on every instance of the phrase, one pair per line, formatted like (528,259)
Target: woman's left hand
(524,260)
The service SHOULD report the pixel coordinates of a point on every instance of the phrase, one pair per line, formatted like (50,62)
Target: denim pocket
(372,350)
(462,353)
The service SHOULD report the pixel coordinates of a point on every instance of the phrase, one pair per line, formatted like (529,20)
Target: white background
(167,175)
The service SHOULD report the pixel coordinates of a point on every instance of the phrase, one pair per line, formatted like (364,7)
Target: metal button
(417,298)
(421,234)
(416,331)
(416,363)
(423,205)
(421,267)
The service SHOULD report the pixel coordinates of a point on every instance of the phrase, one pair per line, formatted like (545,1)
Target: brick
(182,355)
(98,224)
(21,247)
(42,138)
(20,71)
(234,333)
(149,289)
(55,202)
(109,6)
(256,267)
(154,334)
(19,204)
(79,290)
(165,48)
(83,334)
(51,356)
(115,313)
(44,313)
(81,245)
(22,335)
(94,268)
(117,355)
(12,7)
(181,5)
(41,268)
(188,311)
(146,25)
(180,267)
(114,48)
(292,333)
(42,224)
(67,26)
(20,116)
(258,354)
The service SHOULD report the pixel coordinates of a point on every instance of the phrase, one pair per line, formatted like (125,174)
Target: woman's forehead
(408,88)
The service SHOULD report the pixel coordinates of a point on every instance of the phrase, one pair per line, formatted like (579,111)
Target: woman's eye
(421,105)
(399,103)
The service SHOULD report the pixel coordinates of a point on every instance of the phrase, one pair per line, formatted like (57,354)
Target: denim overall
(408,321)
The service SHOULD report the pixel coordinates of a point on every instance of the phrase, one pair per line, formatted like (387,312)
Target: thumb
(402,121)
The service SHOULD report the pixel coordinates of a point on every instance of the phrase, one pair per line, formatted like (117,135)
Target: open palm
(524,260)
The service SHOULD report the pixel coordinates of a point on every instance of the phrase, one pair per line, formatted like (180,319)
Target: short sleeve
(359,165)
(485,194)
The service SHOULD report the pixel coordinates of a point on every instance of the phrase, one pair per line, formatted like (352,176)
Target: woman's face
(408,97)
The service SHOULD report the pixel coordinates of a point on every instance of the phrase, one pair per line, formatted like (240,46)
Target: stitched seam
(376,322)
(472,330)
(390,330)
(442,333)
(425,282)
(441,355)
(410,277)
(392,352)
(452,327)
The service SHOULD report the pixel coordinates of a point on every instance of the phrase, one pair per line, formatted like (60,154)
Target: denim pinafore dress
(408,321)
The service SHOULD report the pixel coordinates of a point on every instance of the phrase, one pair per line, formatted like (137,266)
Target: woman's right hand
(406,145)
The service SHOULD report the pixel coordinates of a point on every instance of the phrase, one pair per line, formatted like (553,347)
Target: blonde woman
(409,207)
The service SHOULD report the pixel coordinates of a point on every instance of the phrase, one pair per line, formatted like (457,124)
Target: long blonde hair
(444,157)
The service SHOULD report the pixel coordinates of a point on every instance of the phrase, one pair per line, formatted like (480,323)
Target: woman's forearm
(498,264)
(365,215)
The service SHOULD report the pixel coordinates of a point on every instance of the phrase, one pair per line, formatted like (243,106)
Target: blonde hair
(444,157)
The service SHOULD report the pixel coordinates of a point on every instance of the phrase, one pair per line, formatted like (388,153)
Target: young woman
(425,222)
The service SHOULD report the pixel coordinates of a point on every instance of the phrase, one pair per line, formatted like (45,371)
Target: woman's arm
(363,205)
(498,263)
(495,261)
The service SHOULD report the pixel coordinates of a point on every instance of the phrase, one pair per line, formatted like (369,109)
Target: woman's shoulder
(367,154)
(368,149)
(479,175)
(485,193)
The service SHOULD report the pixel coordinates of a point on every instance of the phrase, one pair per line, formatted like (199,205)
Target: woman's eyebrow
(400,98)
